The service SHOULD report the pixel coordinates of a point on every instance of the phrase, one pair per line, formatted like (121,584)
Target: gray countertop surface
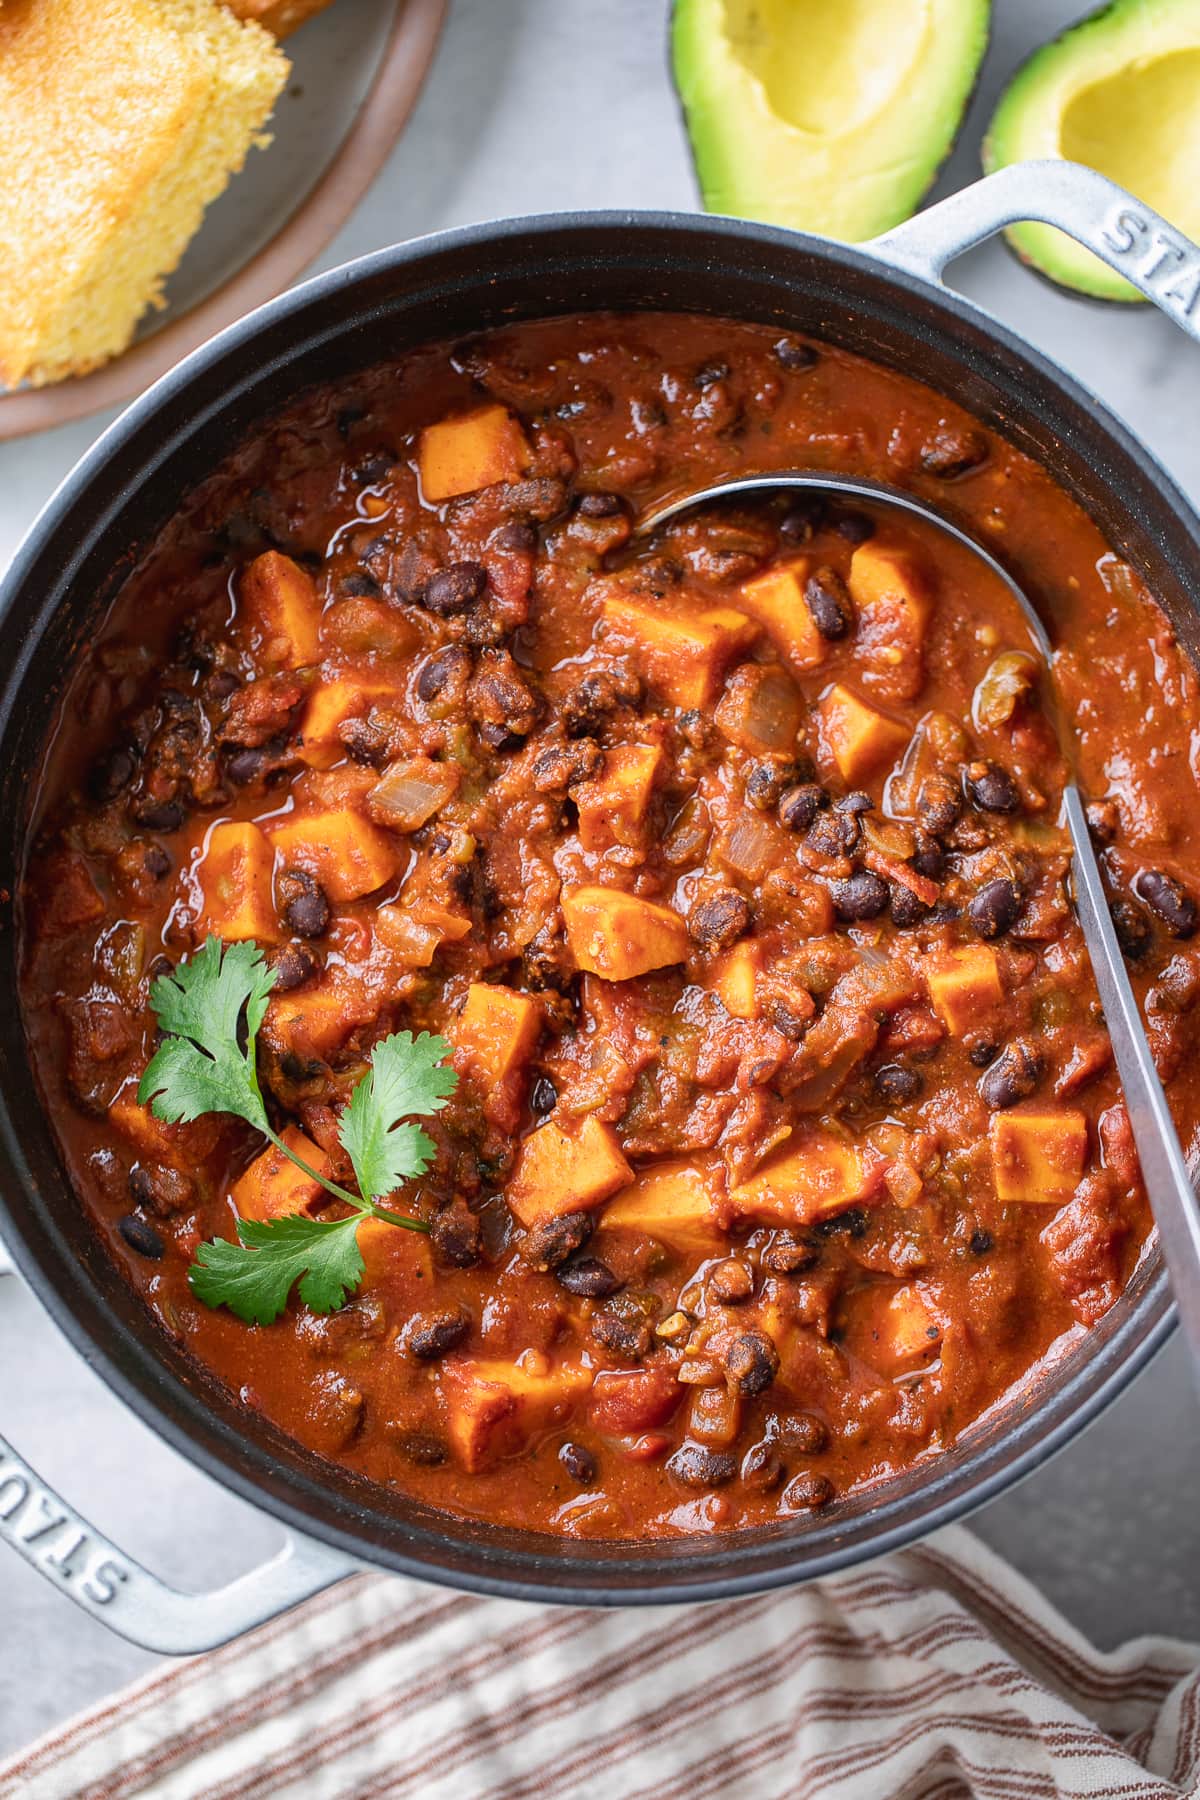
(533,106)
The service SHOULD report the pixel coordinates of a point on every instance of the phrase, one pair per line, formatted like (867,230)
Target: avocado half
(1121,92)
(830,116)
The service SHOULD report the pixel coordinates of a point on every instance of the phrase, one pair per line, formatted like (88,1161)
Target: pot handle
(1122,231)
(94,1572)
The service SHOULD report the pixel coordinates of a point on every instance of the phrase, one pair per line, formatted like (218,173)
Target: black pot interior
(124,492)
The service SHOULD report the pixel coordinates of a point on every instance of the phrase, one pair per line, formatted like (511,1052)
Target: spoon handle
(1164,1170)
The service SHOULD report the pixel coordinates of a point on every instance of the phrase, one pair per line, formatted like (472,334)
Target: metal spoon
(1164,1170)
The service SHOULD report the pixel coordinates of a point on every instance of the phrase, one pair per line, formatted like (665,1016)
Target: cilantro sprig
(210,1009)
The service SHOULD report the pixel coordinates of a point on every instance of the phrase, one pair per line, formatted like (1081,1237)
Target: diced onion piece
(1122,582)
(687,839)
(761,709)
(1009,680)
(411,792)
(747,847)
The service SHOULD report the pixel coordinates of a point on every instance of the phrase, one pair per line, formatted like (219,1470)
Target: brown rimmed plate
(357,71)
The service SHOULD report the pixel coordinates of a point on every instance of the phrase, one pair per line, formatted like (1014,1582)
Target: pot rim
(1151,1314)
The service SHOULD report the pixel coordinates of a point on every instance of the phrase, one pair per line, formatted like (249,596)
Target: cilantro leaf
(201,1067)
(255,1277)
(408,1075)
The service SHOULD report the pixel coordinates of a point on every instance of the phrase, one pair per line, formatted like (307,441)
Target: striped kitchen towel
(934,1674)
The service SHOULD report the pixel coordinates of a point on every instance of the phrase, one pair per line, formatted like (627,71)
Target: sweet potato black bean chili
(786,1137)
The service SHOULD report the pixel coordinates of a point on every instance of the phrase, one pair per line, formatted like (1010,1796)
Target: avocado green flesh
(1121,93)
(830,118)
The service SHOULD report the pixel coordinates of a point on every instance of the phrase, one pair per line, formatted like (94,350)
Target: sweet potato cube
(396,1257)
(278,600)
(814,1176)
(669,1200)
(892,594)
(330,704)
(312,1023)
(612,806)
(461,455)
(776,600)
(683,653)
(496,1031)
(964,986)
(273,1186)
(495,1407)
(1038,1156)
(619,936)
(181,1146)
(348,855)
(560,1170)
(736,977)
(859,739)
(236,875)
(903,1331)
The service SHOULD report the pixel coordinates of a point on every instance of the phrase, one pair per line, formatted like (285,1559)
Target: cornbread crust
(120,121)
(279,16)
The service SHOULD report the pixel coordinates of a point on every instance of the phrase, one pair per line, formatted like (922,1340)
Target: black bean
(553,1241)
(1012,1077)
(808,1490)
(375,468)
(600,506)
(307,913)
(293,966)
(542,1096)
(159,815)
(627,1339)
(730,1282)
(432,1335)
(803,1432)
(710,373)
(787,1254)
(1168,900)
(799,806)
(794,356)
(588,1277)
(854,527)
(752,1363)
(995,908)
(855,803)
(358,585)
(981,1242)
(156,862)
(928,859)
(860,896)
(141,1237)
(441,670)
(803,519)
(789,1024)
(991,788)
(422,1448)
(455,1235)
(517,535)
(893,1082)
(579,1463)
(157,1188)
(718,921)
(589,704)
(906,907)
(938,804)
(1131,926)
(828,602)
(454,589)
(953,451)
(981,1054)
(768,782)
(763,1468)
(112,774)
(851,1223)
(697,1466)
(245,766)
(833,834)
(561,766)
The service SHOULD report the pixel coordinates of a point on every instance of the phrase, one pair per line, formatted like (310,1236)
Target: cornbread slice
(279,16)
(120,120)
